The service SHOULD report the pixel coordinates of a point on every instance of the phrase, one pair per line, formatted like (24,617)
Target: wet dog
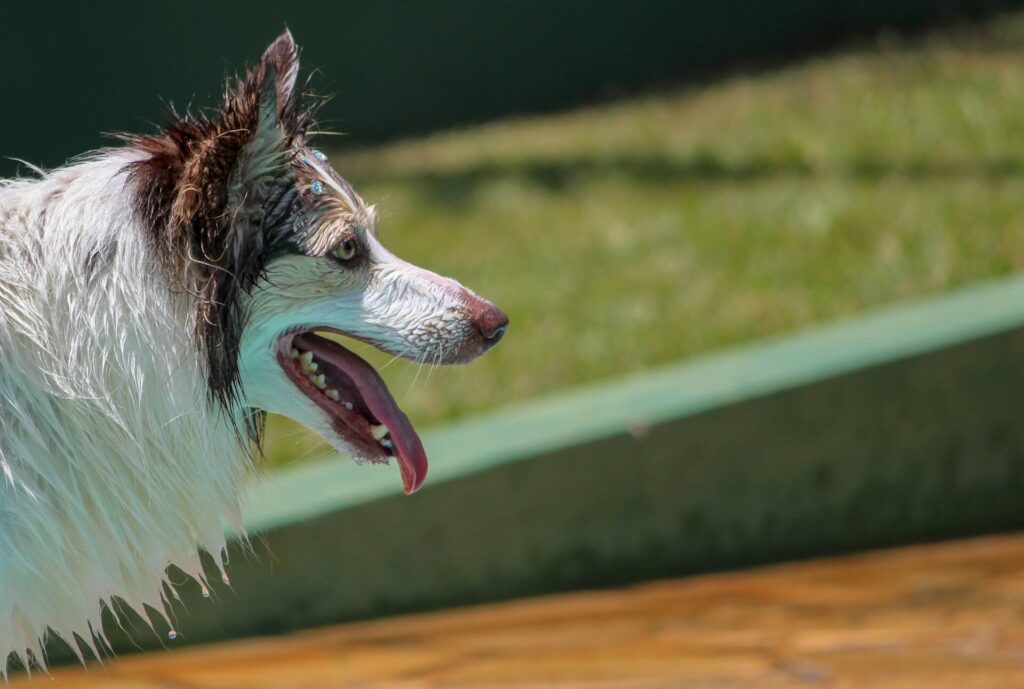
(156,300)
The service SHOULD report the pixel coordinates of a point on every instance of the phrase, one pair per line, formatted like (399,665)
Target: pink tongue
(412,458)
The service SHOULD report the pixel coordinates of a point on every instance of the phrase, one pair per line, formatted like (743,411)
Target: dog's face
(277,249)
(342,280)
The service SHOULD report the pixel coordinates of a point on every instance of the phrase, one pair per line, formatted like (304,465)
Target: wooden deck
(942,616)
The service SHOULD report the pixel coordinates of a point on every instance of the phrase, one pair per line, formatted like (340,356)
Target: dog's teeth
(333,394)
(294,353)
(319,381)
(378,431)
(305,359)
(348,405)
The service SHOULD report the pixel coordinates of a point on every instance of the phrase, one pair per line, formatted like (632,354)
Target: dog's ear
(283,56)
(234,165)
(259,120)
(196,164)
(266,96)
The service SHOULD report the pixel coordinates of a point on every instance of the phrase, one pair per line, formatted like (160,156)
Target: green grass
(625,236)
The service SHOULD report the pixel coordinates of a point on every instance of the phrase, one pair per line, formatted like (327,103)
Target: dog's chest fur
(113,461)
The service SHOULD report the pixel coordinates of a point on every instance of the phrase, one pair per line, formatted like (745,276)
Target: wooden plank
(936,616)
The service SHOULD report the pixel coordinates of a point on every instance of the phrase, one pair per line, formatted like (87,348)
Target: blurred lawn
(625,236)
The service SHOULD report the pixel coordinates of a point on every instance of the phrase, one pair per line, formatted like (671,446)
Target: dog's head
(275,248)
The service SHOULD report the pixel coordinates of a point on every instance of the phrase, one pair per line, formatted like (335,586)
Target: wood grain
(948,616)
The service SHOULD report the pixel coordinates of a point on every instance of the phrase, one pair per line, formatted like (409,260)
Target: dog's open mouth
(360,406)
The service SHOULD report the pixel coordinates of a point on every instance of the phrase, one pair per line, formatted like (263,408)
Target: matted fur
(144,294)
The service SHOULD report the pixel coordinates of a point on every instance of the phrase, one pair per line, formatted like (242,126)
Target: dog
(157,300)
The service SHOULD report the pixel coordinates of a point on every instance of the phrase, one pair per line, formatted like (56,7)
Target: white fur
(113,464)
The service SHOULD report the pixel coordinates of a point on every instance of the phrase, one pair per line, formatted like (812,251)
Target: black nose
(492,323)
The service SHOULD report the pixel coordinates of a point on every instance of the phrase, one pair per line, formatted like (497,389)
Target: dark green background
(73,70)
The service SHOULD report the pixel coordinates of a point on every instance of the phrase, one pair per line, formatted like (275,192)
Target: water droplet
(226,579)
(172,635)
(319,155)
(316,186)
(206,592)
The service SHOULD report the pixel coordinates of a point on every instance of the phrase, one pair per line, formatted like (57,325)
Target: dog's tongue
(412,458)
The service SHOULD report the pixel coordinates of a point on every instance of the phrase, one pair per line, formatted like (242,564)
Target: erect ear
(283,56)
(260,182)
(264,106)
(268,91)
(260,172)
(209,181)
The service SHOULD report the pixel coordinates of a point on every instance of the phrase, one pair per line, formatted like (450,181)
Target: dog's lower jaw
(114,464)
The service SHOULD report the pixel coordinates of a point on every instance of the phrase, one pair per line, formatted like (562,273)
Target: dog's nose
(492,324)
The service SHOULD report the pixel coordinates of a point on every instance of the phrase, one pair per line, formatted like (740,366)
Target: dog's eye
(345,250)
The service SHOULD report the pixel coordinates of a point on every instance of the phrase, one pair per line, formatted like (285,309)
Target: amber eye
(345,250)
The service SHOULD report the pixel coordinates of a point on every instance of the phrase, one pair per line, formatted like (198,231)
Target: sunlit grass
(625,236)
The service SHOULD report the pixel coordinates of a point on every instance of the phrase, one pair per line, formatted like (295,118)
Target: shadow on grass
(560,174)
